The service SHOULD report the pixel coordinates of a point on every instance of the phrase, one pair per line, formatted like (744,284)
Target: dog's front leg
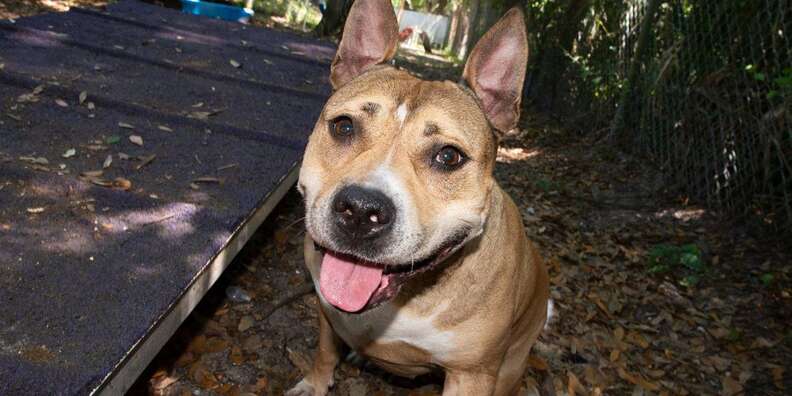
(320,379)
(462,383)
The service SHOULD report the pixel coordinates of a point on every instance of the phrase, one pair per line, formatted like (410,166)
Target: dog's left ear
(495,70)
(370,37)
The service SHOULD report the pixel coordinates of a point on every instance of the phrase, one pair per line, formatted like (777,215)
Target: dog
(420,260)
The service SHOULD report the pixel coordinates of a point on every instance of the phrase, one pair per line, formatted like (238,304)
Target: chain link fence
(703,87)
(708,94)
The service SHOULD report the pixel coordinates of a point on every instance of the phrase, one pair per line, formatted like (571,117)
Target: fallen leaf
(161,383)
(108,161)
(123,156)
(281,239)
(236,356)
(136,139)
(126,125)
(245,323)
(537,363)
(91,105)
(198,344)
(235,63)
(69,153)
(83,96)
(60,102)
(216,344)
(730,386)
(636,379)
(35,210)
(164,128)
(573,385)
(112,139)
(261,384)
(778,377)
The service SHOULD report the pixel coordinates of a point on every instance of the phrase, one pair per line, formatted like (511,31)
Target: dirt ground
(653,295)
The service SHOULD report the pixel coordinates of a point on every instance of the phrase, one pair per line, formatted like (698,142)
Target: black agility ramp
(139,150)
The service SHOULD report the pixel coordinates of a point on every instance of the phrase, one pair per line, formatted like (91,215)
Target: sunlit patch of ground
(12,9)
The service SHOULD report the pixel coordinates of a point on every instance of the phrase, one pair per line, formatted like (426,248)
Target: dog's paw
(304,388)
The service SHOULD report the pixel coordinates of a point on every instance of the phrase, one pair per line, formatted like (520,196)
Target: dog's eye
(342,127)
(449,158)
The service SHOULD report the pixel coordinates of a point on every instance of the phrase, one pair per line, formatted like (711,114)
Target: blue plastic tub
(216,10)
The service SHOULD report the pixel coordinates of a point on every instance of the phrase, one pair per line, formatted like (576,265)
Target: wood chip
(100,182)
(35,210)
(93,173)
(235,63)
(136,139)
(164,128)
(208,179)
(145,160)
(123,156)
(35,160)
(229,166)
(69,153)
(122,183)
(126,125)
(60,102)
(108,161)
(83,96)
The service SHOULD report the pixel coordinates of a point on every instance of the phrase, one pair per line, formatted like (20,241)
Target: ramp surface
(204,123)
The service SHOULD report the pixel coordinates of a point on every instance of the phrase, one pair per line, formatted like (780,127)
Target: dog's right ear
(370,37)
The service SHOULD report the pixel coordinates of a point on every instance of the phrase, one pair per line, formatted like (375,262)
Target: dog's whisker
(295,222)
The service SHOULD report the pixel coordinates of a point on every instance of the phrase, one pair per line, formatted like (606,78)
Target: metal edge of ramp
(126,372)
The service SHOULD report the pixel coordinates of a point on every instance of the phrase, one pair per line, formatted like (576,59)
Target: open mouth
(352,284)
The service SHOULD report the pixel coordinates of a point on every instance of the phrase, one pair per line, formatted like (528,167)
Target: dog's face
(398,170)
(417,155)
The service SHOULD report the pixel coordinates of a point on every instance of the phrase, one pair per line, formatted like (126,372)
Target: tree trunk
(553,60)
(467,23)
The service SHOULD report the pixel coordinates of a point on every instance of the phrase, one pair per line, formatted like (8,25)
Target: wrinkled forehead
(428,106)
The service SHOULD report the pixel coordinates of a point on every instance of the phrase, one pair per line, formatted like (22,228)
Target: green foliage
(671,258)
(767,279)
(546,185)
(297,13)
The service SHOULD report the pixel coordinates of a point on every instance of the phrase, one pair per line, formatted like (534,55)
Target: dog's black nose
(362,212)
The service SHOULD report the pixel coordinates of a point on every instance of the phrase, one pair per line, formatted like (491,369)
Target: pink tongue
(347,283)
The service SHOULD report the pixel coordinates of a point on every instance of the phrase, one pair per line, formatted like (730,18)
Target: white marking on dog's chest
(387,324)
(401,113)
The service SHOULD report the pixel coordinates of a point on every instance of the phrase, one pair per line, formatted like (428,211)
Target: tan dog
(420,259)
